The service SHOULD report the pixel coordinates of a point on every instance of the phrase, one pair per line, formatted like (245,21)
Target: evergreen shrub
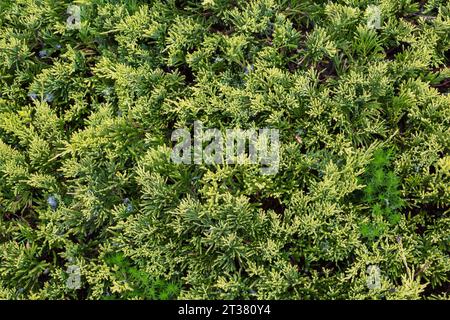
(92,207)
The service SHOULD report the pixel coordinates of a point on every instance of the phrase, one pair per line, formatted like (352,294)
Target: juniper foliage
(86,179)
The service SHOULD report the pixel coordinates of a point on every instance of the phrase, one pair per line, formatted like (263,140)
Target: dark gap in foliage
(274,204)
(447,58)
(269,203)
(440,289)
(187,72)
(221,27)
(391,52)
(321,264)
(443,86)
(326,70)
(432,210)
(402,124)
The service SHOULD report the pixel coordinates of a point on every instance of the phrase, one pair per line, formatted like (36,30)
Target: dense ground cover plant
(87,185)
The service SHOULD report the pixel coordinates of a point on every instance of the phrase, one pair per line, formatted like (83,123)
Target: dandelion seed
(129,207)
(43,54)
(53,203)
(249,69)
(48,97)
(33,95)
(107,92)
